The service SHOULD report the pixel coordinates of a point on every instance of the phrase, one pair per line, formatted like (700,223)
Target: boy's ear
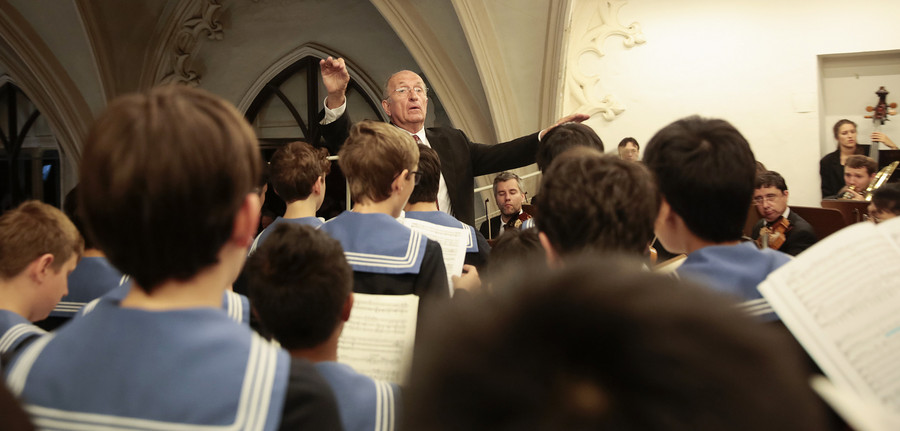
(246,221)
(40,267)
(553,260)
(348,305)
(665,214)
(400,181)
(317,186)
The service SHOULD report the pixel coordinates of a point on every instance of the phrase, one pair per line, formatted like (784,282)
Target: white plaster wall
(752,63)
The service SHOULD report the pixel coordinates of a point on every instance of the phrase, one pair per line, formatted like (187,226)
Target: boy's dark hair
(300,281)
(887,198)
(594,202)
(31,230)
(604,345)
(628,139)
(70,208)
(294,169)
(163,175)
(770,179)
(429,176)
(705,170)
(561,138)
(857,161)
(514,250)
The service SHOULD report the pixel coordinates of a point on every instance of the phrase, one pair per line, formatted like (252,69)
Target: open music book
(378,339)
(841,300)
(453,243)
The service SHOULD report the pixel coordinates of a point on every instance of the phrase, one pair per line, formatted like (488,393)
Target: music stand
(825,221)
(853,211)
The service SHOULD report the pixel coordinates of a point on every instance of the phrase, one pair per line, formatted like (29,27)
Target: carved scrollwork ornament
(205,20)
(582,85)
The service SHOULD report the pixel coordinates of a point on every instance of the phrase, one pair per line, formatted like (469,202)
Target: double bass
(879,115)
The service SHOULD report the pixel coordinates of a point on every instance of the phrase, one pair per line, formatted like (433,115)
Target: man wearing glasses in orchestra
(771,201)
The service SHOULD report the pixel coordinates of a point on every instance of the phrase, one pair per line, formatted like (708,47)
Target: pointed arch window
(286,109)
(30,155)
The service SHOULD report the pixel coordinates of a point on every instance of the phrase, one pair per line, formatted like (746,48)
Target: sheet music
(859,414)
(453,243)
(841,301)
(378,339)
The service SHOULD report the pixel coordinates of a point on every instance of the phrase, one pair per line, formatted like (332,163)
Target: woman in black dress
(831,167)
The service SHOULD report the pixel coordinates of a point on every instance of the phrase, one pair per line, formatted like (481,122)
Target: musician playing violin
(510,196)
(779,228)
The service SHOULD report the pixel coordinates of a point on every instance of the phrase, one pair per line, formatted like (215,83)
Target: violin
(774,236)
(517,222)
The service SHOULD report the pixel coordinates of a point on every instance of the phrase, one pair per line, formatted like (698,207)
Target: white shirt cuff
(333,114)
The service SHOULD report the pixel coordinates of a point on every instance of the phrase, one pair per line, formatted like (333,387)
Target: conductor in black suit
(770,199)
(405,100)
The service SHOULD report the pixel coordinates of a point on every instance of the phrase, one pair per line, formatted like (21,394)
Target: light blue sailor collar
(237,306)
(15,329)
(377,243)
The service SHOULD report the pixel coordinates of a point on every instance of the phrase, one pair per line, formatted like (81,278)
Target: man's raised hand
(335,77)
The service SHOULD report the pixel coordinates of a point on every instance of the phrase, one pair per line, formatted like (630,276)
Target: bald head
(406,100)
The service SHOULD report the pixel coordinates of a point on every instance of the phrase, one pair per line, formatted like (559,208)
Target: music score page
(378,339)
(841,300)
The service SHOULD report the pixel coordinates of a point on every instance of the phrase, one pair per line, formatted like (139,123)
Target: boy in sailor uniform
(297,172)
(379,161)
(423,205)
(705,172)
(39,248)
(302,294)
(167,191)
(93,277)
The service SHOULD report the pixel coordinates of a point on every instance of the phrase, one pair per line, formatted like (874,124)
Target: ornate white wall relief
(202,17)
(596,22)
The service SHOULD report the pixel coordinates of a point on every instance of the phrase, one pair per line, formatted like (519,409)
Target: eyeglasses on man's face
(760,200)
(405,91)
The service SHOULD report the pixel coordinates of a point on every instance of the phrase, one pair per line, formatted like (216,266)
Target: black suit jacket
(461,159)
(799,236)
